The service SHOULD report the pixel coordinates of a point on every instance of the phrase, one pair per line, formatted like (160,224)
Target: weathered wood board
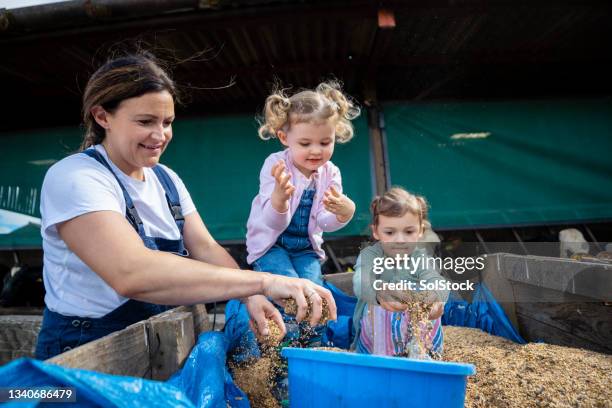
(18,336)
(154,348)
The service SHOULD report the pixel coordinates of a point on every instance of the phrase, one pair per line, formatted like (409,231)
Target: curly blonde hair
(396,202)
(326,103)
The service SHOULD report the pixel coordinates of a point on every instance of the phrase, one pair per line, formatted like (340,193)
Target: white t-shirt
(78,185)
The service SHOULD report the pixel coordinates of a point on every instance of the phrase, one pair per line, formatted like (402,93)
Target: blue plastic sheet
(482,313)
(340,332)
(203,382)
(204,377)
(92,389)
(242,343)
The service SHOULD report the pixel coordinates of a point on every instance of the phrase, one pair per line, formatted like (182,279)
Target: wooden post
(171,339)
(201,322)
(379,46)
(377,141)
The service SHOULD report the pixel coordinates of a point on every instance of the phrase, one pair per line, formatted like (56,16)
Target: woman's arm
(202,246)
(106,242)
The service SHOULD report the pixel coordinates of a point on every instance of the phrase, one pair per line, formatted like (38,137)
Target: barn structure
(498,111)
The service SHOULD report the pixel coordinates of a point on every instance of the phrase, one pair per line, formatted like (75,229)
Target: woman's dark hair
(119,79)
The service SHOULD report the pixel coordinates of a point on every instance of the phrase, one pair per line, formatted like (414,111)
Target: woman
(121,235)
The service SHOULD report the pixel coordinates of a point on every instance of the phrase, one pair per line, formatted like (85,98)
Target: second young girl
(382,320)
(300,191)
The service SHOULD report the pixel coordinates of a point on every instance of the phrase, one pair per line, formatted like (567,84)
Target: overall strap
(172,197)
(131,214)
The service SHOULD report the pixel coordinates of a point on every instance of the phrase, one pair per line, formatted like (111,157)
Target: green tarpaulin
(504,163)
(478,163)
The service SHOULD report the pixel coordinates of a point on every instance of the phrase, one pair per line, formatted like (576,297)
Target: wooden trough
(555,300)
(537,294)
(153,348)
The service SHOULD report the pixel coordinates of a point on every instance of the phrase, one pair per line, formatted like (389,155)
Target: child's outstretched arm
(337,208)
(362,281)
(275,188)
(283,188)
(431,275)
(339,205)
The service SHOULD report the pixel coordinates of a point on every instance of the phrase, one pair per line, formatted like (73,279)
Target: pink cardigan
(265,224)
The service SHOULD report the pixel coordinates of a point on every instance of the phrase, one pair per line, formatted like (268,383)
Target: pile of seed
(531,375)
(257,377)
(420,326)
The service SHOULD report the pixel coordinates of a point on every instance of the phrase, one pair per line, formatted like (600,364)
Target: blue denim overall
(61,333)
(293,255)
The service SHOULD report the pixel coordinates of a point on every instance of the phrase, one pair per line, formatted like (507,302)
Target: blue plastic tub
(319,378)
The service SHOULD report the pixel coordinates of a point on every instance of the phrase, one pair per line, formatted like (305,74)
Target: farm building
(499,112)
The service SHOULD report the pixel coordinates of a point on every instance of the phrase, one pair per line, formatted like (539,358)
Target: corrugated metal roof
(438,49)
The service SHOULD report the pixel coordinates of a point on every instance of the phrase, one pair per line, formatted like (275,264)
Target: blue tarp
(242,342)
(205,378)
(483,313)
(204,381)
(92,389)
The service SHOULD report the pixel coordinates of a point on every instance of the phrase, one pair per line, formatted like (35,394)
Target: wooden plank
(201,322)
(589,279)
(125,352)
(343,281)
(18,336)
(535,330)
(171,339)
(36,311)
(569,317)
(131,351)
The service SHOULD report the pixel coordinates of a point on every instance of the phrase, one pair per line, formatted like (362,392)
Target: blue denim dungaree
(61,333)
(292,254)
(295,237)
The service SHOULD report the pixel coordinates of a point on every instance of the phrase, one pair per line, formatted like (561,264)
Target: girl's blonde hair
(327,103)
(396,202)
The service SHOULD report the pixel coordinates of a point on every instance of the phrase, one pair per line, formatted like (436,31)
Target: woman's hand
(303,291)
(260,310)
(283,188)
(338,204)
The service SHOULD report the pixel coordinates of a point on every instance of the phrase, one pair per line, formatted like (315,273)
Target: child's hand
(338,204)
(436,311)
(390,305)
(283,187)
